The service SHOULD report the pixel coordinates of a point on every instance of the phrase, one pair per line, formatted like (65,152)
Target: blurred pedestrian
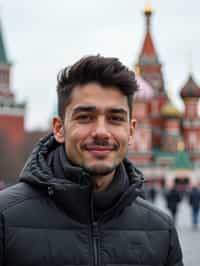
(149,192)
(173,198)
(152,193)
(194,200)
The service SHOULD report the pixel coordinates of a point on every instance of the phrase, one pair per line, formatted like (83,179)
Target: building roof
(190,89)
(3,55)
(170,111)
(148,48)
(148,53)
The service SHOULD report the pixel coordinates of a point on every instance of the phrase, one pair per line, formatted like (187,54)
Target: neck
(102,182)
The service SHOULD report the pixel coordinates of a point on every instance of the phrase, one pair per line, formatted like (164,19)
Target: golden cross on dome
(190,63)
(148,8)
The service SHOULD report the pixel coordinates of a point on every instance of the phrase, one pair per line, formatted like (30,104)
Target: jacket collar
(73,193)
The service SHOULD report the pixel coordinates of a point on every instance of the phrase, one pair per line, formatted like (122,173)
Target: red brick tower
(190,94)
(151,70)
(11,112)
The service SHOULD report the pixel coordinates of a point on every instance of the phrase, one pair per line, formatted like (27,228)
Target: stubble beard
(99,171)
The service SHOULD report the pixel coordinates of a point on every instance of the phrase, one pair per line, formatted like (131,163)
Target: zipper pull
(95,230)
(50,191)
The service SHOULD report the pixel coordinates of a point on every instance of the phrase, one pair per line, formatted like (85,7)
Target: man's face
(96,128)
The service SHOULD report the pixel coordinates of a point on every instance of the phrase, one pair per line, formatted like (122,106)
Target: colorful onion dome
(190,89)
(170,111)
(145,91)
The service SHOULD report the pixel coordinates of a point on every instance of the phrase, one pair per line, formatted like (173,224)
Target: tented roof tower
(148,62)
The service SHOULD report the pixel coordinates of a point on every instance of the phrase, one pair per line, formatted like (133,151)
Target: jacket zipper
(95,239)
(95,234)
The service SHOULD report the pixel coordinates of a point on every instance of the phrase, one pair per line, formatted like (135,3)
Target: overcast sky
(43,36)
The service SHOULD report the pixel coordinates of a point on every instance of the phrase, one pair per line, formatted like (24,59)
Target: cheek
(76,135)
(121,136)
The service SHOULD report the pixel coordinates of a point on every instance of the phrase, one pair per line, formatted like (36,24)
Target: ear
(58,129)
(132,130)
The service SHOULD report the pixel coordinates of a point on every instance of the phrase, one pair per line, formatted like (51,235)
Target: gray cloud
(44,35)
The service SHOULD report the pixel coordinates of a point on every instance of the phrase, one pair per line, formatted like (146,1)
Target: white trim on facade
(14,110)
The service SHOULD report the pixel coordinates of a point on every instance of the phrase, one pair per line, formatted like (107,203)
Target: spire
(148,53)
(148,12)
(190,64)
(5,67)
(148,47)
(148,61)
(3,55)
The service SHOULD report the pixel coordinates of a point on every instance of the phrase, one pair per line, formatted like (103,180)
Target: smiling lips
(100,151)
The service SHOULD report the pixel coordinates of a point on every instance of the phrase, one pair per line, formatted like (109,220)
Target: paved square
(189,238)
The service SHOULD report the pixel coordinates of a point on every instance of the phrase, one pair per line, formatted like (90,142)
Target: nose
(100,129)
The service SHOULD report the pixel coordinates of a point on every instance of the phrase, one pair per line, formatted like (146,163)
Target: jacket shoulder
(155,218)
(15,195)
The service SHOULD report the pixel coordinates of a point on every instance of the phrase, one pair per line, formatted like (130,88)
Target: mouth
(99,151)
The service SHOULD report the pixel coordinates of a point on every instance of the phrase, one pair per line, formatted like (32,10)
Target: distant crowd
(173,197)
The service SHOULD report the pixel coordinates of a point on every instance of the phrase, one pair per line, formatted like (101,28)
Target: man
(78,200)
(173,199)
(194,201)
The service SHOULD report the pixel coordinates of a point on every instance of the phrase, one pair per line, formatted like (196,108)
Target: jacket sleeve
(1,241)
(175,257)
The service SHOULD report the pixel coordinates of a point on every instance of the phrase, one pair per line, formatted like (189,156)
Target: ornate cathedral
(166,144)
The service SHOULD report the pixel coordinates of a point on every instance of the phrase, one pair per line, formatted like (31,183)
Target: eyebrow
(91,108)
(118,111)
(80,109)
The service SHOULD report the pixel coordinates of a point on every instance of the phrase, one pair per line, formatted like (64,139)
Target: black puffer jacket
(47,221)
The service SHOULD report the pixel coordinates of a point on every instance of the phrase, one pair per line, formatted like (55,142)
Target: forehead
(102,97)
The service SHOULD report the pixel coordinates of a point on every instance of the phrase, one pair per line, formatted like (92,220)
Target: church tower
(11,112)
(151,70)
(190,93)
(149,63)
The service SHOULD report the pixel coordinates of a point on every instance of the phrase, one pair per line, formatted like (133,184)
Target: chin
(99,169)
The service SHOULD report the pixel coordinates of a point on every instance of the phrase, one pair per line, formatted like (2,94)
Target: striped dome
(190,89)
(145,91)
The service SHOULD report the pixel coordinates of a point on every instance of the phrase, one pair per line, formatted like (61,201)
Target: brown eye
(116,119)
(85,118)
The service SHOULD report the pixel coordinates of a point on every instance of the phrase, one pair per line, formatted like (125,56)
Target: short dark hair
(106,71)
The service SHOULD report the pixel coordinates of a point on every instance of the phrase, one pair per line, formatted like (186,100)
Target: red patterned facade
(163,133)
